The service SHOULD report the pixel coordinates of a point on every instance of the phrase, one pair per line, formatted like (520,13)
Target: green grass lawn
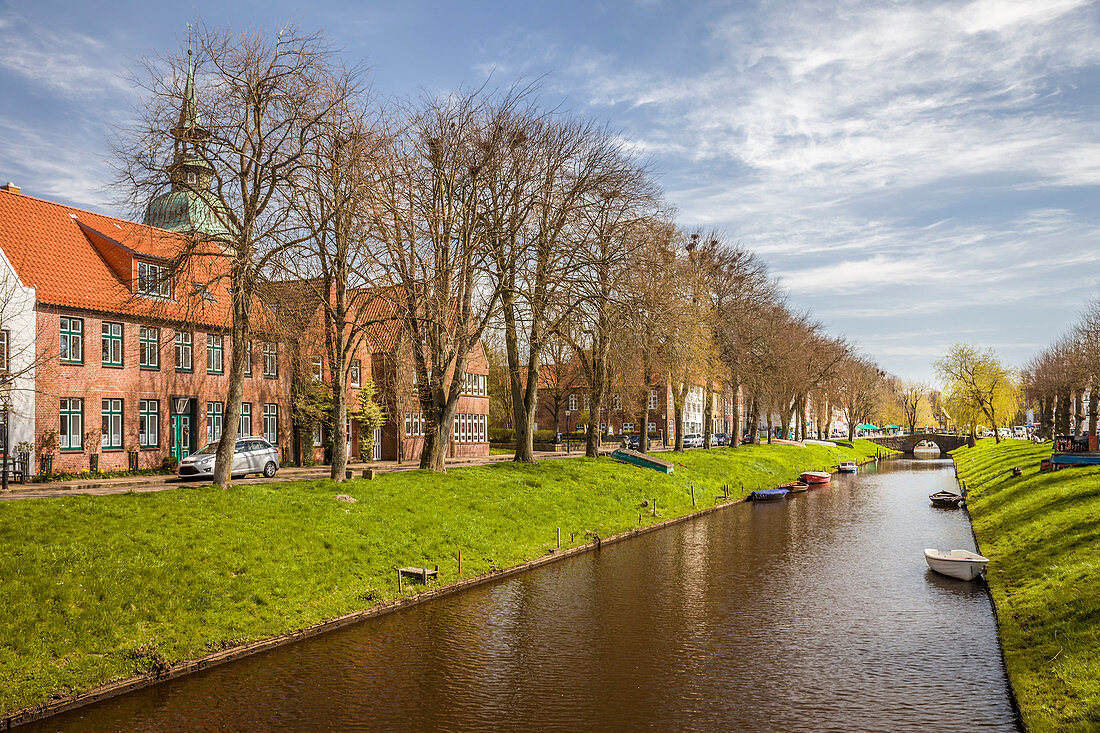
(1041,533)
(100,588)
(493,451)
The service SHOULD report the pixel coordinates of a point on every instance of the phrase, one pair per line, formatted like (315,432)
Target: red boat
(817,477)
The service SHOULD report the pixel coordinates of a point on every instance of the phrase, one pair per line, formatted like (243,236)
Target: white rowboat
(961,564)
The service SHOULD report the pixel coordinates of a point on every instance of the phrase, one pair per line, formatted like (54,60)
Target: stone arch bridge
(905,443)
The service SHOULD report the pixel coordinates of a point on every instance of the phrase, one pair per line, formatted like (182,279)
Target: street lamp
(5,406)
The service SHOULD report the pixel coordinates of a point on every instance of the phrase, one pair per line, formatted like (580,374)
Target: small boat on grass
(816,478)
(794,487)
(961,564)
(767,494)
(946,499)
(848,467)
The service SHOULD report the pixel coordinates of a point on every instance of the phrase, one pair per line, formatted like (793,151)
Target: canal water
(815,613)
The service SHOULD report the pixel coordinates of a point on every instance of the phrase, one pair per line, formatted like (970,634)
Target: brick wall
(92,382)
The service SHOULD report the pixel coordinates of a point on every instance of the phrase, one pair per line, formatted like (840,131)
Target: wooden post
(399,587)
(572,535)
(460,562)
(693,495)
(654,507)
(559,538)
(347,474)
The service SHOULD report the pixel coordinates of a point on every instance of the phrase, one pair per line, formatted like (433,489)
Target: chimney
(10,187)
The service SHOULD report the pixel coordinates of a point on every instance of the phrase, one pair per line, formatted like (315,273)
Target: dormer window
(192,179)
(154,281)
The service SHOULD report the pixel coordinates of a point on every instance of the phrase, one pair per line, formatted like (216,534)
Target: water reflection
(816,613)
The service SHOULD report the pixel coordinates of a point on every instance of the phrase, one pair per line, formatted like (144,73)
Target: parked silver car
(693,440)
(252,455)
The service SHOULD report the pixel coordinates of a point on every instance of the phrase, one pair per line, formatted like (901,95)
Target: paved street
(144,484)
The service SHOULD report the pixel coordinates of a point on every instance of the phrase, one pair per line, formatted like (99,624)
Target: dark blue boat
(766,495)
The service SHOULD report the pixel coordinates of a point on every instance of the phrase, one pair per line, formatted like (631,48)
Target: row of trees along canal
(475,214)
(1057,378)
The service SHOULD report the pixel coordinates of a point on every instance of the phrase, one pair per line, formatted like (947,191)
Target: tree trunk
(755,427)
(708,413)
(1078,409)
(735,435)
(1094,409)
(240,333)
(339,466)
(1064,413)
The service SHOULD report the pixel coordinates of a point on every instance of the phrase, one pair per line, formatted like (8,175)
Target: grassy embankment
(1041,533)
(101,588)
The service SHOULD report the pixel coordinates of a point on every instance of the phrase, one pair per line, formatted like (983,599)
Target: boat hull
(816,478)
(961,564)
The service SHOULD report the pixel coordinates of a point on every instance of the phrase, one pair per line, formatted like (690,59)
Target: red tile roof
(78,259)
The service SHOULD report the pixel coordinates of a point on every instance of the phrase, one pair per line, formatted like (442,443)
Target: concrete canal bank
(1041,534)
(113,593)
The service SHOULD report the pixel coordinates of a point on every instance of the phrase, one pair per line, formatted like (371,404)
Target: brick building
(111,353)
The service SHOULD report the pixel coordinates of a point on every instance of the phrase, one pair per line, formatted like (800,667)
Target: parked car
(251,455)
(720,439)
(693,440)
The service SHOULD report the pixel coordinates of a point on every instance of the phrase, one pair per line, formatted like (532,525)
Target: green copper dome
(183,211)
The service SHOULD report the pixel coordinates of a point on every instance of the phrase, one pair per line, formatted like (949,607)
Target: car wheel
(269,469)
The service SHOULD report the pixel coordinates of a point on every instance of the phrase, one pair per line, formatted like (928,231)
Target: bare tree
(432,224)
(328,253)
(228,129)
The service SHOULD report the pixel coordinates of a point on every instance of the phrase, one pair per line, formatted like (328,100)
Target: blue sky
(918,173)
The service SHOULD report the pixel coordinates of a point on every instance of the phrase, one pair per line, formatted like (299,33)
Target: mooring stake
(693,495)
(559,538)
(399,586)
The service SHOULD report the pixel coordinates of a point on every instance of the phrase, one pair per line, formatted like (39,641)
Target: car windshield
(207,450)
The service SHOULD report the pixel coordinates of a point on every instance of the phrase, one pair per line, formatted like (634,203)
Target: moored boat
(766,495)
(848,467)
(794,487)
(946,499)
(816,478)
(961,564)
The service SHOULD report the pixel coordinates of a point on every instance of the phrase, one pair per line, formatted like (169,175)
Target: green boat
(641,460)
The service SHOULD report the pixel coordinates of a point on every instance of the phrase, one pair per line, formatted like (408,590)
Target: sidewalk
(147,484)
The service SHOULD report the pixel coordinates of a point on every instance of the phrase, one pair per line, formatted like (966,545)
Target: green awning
(893,427)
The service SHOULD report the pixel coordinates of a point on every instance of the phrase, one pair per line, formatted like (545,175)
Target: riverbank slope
(99,588)
(1041,535)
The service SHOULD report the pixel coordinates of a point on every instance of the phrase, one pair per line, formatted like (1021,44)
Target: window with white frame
(248,358)
(470,428)
(215,412)
(653,399)
(317,442)
(616,402)
(318,366)
(354,372)
(475,384)
(154,281)
(587,402)
(628,427)
(652,427)
(572,403)
(414,423)
(5,350)
(271,359)
(271,423)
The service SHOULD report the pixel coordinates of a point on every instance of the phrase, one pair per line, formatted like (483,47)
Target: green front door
(181,436)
